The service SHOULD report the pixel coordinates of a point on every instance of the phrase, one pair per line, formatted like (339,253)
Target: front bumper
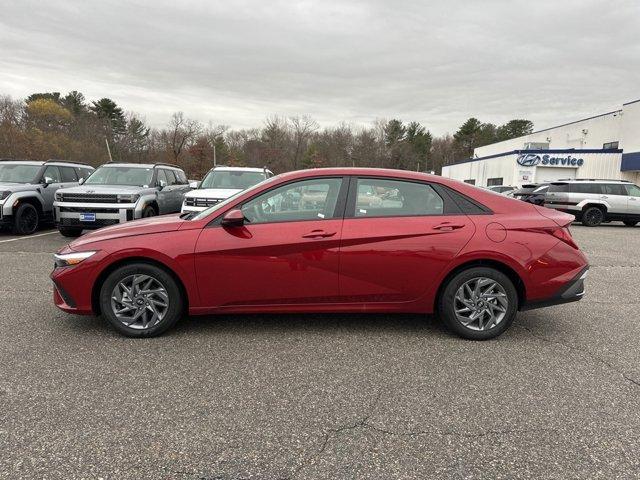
(189,209)
(571,292)
(68,214)
(73,286)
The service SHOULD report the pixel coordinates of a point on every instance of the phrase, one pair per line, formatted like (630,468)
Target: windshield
(218,206)
(132,176)
(235,179)
(18,173)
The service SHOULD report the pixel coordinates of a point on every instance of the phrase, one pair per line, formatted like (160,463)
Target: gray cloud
(437,62)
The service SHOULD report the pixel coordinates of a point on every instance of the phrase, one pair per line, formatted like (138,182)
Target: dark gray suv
(27,190)
(119,192)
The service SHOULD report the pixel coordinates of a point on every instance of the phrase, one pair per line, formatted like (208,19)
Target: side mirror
(162,184)
(233,218)
(194,184)
(47,181)
(81,181)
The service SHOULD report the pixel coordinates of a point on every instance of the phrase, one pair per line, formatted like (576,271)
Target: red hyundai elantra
(330,240)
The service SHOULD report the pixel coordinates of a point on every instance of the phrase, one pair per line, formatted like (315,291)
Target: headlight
(4,194)
(128,198)
(70,259)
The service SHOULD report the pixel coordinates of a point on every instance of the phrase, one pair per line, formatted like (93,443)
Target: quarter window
(494,181)
(314,199)
(395,198)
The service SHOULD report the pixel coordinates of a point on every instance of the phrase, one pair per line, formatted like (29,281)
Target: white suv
(596,201)
(221,183)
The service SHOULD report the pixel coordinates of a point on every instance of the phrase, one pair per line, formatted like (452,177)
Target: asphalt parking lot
(340,396)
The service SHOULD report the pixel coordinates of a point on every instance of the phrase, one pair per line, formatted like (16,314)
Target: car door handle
(318,234)
(633,199)
(446,226)
(604,197)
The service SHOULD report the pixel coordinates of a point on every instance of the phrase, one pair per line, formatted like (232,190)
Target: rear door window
(614,189)
(68,174)
(395,198)
(633,190)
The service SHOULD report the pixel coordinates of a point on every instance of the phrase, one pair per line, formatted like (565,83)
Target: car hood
(212,192)
(15,187)
(145,226)
(113,189)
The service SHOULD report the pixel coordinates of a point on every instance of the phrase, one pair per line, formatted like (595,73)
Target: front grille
(85,210)
(201,202)
(89,197)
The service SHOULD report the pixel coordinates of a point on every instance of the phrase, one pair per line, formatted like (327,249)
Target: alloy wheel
(481,303)
(28,220)
(139,301)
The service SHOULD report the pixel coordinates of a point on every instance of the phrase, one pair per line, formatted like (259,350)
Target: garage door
(551,174)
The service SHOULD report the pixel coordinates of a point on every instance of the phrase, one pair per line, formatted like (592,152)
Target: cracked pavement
(323,396)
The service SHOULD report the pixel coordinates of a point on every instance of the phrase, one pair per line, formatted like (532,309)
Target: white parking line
(27,237)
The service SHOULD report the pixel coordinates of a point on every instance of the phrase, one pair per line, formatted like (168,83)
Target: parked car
(119,192)
(27,190)
(441,246)
(596,201)
(532,193)
(504,189)
(221,183)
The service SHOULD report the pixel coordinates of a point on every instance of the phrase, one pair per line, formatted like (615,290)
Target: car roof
(241,169)
(590,180)
(22,162)
(140,165)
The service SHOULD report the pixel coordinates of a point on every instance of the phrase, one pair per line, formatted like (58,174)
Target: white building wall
(589,133)
(596,165)
(630,132)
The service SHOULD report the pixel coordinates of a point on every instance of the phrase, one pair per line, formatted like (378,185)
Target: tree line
(49,125)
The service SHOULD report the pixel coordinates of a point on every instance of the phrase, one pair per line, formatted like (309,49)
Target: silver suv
(118,192)
(596,201)
(27,190)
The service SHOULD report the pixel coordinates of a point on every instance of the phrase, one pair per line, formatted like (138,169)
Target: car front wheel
(26,219)
(141,300)
(479,303)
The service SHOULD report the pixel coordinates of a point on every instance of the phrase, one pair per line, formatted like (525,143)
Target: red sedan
(330,240)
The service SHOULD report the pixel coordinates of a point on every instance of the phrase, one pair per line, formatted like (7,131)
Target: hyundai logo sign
(533,159)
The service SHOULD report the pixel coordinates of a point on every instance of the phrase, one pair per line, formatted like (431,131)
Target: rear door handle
(447,226)
(318,234)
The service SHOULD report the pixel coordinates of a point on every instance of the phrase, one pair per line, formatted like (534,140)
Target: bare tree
(182,131)
(303,127)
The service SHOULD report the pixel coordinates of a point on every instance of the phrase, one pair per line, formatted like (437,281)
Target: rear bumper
(571,292)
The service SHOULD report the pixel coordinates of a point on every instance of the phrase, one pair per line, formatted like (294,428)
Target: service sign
(546,160)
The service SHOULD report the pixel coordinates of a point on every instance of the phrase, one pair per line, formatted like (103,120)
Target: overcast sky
(235,62)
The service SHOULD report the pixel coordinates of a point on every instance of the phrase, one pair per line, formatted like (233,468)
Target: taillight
(563,233)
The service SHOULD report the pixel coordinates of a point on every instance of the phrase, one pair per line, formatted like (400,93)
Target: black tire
(26,219)
(447,303)
(175,301)
(149,211)
(592,216)
(630,223)
(70,232)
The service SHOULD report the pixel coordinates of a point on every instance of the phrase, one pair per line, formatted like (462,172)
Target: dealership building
(605,146)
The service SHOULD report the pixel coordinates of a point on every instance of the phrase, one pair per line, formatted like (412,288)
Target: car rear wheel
(141,300)
(70,232)
(630,223)
(26,219)
(592,217)
(479,303)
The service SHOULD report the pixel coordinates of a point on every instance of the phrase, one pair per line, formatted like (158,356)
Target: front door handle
(604,197)
(318,234)
(448,226)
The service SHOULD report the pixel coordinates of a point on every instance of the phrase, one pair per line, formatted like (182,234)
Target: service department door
(553,174)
